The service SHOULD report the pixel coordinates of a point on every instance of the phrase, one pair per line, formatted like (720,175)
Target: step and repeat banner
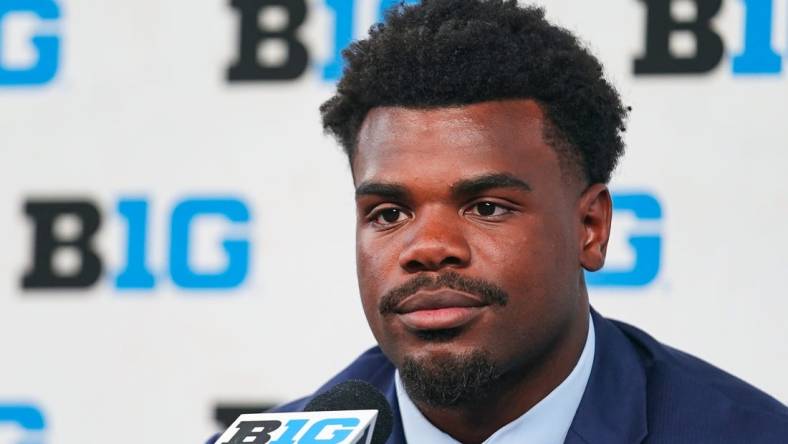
(178,234)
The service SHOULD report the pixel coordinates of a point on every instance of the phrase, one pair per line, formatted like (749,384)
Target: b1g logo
(758,55)
(269,47)
(136,273)
(18,65)
(21,424)
(643,240)
(339,427)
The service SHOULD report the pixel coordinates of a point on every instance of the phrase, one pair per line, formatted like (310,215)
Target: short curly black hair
(442,53)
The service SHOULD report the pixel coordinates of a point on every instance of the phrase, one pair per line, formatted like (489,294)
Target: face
(471,239)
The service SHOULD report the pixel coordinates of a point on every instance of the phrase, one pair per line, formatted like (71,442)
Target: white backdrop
(140,107)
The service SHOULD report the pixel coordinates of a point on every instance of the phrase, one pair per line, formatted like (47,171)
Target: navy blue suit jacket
(639,391)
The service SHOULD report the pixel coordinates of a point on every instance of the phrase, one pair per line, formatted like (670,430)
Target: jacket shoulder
(701,403)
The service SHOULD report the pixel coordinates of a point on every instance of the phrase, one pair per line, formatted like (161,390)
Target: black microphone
(357,395)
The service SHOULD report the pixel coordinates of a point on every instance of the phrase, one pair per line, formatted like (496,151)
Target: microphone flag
(332,427)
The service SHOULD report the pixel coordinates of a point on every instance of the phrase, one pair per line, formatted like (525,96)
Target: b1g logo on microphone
(669,20)
(29,42)
(49,241)
(643,249)
(338,427)
(21,424)
(269,45)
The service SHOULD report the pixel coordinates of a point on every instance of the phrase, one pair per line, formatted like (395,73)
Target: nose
(435,241)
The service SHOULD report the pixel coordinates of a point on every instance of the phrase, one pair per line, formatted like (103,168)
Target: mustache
(488,292)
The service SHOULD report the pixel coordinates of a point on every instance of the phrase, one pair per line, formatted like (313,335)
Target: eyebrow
(465,187)
(390,191)
(476,185)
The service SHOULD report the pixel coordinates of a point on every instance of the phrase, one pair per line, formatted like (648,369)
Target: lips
(438,310)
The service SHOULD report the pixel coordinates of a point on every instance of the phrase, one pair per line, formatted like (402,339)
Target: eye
(488,209)
(388,216)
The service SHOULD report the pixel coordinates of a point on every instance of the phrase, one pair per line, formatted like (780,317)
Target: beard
(449,381)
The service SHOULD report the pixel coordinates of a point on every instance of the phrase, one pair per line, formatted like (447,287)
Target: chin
(448,378)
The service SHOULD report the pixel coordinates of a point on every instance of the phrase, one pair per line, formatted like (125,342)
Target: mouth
(439,310)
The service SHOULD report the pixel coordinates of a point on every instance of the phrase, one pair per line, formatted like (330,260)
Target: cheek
(515,247)
(374,264)
(371,266)
(531,257)
(553,261)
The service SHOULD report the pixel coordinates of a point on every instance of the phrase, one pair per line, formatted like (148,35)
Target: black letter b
(248,66)
(45,244)
(660,25)
(246,430)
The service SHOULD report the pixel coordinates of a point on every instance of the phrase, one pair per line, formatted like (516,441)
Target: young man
(481,139)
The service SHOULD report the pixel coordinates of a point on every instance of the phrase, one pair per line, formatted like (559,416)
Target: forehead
(398,144)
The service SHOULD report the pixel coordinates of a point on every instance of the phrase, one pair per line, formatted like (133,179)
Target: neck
(516,392)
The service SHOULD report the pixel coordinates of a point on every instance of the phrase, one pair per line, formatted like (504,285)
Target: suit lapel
(397,433)
(613,408)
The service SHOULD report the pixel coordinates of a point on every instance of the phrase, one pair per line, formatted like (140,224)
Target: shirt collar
(547,422)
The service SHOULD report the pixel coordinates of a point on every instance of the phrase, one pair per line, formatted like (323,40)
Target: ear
(595,211)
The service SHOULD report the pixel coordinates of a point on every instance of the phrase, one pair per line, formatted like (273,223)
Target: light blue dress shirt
(545,423)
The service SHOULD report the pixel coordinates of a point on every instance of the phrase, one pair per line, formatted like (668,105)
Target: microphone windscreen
(357,395)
